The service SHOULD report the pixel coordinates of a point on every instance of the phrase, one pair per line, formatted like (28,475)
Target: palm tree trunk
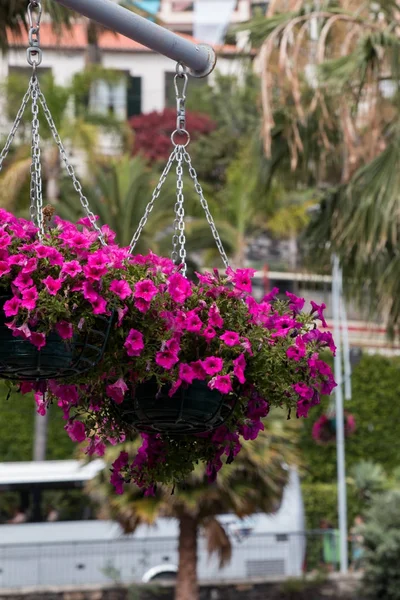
(186,585)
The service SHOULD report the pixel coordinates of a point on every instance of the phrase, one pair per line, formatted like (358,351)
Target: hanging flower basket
(194,367)
(192,409)
(324,429)
(56,305)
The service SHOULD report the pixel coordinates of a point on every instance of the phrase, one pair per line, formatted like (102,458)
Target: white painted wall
(151,67)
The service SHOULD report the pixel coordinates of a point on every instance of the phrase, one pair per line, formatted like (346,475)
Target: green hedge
(17,418)
(376,407)
(320,502)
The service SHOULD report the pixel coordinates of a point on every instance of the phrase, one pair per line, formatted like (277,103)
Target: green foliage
(375,405)
(17,420)
(368,478)
(320,503)
(382,543)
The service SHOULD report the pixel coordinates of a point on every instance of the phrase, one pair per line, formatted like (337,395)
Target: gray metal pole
(199,58)
(40,439)
(340,449)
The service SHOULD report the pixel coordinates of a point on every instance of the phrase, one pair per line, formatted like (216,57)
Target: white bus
(96,552)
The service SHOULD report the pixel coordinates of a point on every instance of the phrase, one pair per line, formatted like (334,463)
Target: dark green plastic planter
(194,409)
(22,361)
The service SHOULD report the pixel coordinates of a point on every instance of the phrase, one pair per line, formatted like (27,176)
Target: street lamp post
(340,443)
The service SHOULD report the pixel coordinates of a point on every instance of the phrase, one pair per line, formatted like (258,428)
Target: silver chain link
(179,238)
(36,207)
(180,155)
(70,169)
(154,197)
(15,125)
(204,204)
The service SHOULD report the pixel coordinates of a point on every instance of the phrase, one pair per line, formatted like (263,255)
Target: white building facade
(148,82)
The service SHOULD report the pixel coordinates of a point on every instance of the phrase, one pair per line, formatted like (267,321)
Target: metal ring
(32,52)
(181,132)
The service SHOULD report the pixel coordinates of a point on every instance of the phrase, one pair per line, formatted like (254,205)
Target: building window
(134,96)
(121,98)
(109,98)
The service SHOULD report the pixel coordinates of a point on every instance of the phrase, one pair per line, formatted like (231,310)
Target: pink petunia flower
(319,309)
(30,266)
(146,290)
(231,338)
(4,268)
(29,298)
(209,333)
(239,366)
(271,295)
(89,293)
(134,343)
(121,289)
(11,307)
(179,288)
(86,222)
(251,430)
(22,331)
(298,351)
(53,286)
(241,278)
(303,390)
(166,359)
(23,281)
(212,365)
(76,431)
(41,405)
(117,390)
(222,383)
(96,447)
(142,305)
(193,322)
(198,370)
(214,317)
(71,268)
(38,339)
(99,306)
(186,373)
(43,251)
(65,330)
(296,303)
(5,239)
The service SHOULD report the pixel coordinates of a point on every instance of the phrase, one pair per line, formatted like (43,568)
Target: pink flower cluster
(68,269)
(324,429)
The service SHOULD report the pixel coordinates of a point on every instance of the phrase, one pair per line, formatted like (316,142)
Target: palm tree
(252,202)
(118,193)
(339,60)
(82,135)
(254,482)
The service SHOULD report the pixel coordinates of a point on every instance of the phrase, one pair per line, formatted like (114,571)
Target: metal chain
(204,204)
(179,223)
(36,208)
(16,124)
(70,169)
(154,197)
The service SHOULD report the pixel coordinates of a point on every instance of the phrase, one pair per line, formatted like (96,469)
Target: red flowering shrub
(153,131)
